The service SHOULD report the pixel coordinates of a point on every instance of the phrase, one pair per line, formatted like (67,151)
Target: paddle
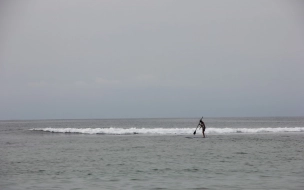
(197,127)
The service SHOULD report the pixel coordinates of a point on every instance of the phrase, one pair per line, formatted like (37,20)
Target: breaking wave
(167,131)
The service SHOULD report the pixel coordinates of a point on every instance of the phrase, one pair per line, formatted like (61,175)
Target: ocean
(237,153)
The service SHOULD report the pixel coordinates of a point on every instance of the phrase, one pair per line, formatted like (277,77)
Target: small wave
(166,131)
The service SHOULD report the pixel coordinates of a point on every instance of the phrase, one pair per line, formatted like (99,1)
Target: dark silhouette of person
(203,126)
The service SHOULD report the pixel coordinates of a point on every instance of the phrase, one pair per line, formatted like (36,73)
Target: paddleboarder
(202,125)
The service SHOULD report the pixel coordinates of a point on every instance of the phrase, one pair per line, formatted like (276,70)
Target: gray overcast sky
(126,59)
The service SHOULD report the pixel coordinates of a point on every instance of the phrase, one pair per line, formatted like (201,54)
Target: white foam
(167,131)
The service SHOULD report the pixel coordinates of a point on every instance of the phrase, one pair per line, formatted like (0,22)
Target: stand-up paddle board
(194,137)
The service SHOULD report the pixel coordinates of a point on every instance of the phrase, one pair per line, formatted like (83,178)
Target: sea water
(237,153)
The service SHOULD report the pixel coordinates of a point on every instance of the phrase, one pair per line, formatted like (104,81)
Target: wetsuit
(202,124)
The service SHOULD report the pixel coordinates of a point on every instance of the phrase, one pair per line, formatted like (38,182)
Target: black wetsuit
(202,124)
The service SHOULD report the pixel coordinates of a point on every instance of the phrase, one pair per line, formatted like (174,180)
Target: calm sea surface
(238,153)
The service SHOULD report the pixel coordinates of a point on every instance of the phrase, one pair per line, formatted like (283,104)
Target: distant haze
(134,59)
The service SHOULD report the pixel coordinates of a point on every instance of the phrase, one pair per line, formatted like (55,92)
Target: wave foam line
(167,131)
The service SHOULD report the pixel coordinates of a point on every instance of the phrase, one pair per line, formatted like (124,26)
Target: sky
(82,59)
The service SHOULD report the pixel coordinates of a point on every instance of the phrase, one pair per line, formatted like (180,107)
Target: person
(202,125)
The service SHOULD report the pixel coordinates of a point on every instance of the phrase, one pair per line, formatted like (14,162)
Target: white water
(167,131)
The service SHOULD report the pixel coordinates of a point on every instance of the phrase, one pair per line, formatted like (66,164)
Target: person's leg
(203,131)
